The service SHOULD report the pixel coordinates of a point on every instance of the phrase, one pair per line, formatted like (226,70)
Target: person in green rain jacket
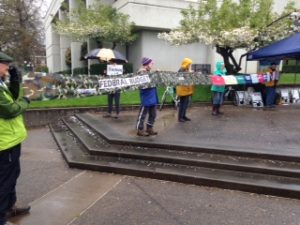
(218,91)
(12,133)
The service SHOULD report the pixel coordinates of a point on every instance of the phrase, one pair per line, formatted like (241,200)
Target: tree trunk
(230,63)
(114,45)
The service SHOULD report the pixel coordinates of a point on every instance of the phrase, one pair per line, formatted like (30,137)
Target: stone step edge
(221,183)
(116,138)
(183,178)
(185,161)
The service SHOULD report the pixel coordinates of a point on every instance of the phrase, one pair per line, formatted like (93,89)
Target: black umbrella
(105,54)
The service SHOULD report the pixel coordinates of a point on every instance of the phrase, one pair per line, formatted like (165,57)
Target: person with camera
(12,134)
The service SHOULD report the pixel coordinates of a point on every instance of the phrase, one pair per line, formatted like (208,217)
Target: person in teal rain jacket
(218,91)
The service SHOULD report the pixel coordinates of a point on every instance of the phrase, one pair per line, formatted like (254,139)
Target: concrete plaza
(60,195)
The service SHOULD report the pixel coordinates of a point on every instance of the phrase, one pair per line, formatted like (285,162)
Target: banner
(59,86)
(247,79)
(118,83)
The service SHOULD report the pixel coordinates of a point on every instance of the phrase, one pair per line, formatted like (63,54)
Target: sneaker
(214,113)
(181,120)
(17,211)
(142,133)
(116,116)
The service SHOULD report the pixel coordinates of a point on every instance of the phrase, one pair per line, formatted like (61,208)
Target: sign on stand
(295,96)
(256,99)
(285,96)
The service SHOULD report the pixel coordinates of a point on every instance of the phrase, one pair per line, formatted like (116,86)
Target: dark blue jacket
(149,97)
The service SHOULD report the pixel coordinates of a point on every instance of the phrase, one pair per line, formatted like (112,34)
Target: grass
(201,94)
(289,78)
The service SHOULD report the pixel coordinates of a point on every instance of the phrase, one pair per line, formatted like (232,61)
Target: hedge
(291,69)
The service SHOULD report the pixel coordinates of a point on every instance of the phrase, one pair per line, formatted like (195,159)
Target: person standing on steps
(184,92)
(218,91)
(149,101)
(12,134)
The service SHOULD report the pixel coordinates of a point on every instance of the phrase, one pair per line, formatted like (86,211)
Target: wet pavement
(243,128)
(60,195)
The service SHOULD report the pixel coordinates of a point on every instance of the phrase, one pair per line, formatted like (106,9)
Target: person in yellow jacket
(12,133)
(184,92)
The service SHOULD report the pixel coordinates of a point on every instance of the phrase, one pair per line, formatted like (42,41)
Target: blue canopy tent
(288,48)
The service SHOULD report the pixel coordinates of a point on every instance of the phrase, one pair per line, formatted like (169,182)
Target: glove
(15,75)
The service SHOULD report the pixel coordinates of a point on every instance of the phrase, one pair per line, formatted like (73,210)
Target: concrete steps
(90,144)
(113,136)
(97,145)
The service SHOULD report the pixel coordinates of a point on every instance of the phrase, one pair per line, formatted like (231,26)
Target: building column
(65,43)
(75,45)
(53,50)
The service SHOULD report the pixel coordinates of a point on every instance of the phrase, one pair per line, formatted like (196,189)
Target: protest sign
(113,70)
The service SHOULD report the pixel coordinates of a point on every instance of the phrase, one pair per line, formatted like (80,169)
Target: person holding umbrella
(149,100)
(12,134)
(112,57)
(114,96)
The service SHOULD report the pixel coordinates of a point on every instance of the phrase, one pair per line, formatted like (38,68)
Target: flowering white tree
(101,22)
(230,25)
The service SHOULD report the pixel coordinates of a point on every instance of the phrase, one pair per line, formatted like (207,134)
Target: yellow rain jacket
(185,90)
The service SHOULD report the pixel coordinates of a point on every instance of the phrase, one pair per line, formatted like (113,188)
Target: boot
(186,118)
(214,110)
(218,110)
(151,132)
(17,211)
(142,133)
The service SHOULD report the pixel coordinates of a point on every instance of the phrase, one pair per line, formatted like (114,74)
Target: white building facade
(150,18)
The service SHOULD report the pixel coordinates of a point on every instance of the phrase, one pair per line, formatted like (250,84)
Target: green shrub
(65,72)
(80,70)
(97,69)
(42,69)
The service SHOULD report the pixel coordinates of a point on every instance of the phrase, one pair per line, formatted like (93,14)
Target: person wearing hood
(184,92)
(218,91)
(149,100)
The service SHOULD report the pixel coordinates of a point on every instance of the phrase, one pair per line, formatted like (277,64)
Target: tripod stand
(169,91)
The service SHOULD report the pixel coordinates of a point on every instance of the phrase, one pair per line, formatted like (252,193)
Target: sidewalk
(60,195)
